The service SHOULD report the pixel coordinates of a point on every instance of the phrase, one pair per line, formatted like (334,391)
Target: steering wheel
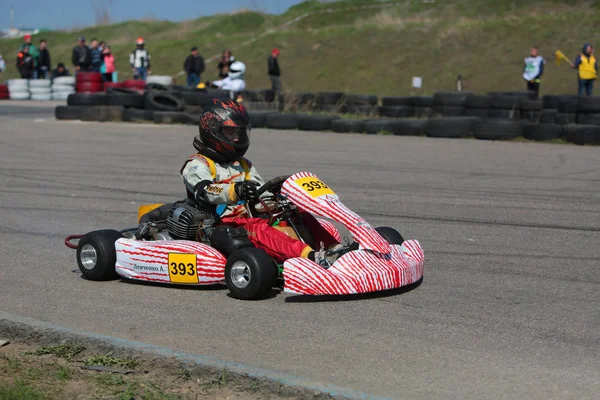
(273,186)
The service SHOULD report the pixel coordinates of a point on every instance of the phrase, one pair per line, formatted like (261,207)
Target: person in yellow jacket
(586,64)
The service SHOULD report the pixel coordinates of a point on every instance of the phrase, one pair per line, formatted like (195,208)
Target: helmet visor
(236,135)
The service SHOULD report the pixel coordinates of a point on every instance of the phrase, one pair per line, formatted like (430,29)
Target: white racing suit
(236,85)
(215,183)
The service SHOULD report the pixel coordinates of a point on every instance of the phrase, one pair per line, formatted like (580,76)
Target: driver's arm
(199,180)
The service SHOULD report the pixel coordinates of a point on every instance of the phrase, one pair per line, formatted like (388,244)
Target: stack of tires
(478,106)
(589,111)
(450,104)
(359,104)
(62,87)
(567,109)
(396,107)
(531,110)
(137,85)
(89,82)
(4,92)
(40,89)
(506,105)
(18,89)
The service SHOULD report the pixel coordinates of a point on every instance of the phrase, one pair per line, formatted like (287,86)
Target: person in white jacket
(139,59)
(235,80)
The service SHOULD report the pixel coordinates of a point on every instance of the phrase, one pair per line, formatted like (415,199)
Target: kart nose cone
(88,256)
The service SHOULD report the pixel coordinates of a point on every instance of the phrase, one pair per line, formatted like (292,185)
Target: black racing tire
(201,98)
(422,101)
(282,120)
(375,126)
(86,99)
(448,111)
(478,102)
(125,100)
(504,102)
(582,134)
(96,255)
(588,119)
(360,100)
(329,98)
(348,125)
(565,118)
(408,127)
(250,274)
(520,95)
(316,122)
(531,105)
(156,87)
(258,105)
(102,113)
(357,109)
(68,112)
(505,114)
(122,90)
(451,127)
(568,105)
(396,111)
(193,109)
(159,101)
(169,117)
(451,99)
(498,129)
(542,131)
(548,116)
(258,118)
(403,101)
(477,112)
(589,104)
(551,102)
(134,114)
(390,234)
(423,112)
(531,116)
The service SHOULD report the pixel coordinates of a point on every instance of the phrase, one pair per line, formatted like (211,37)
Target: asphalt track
(510,303)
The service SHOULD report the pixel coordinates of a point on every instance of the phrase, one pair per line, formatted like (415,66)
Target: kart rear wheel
(96,255)
(390,234)
(250,274)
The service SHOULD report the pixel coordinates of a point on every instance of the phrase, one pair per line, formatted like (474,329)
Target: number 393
(183,268)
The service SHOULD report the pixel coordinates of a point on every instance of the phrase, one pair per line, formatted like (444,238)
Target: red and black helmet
(224,131)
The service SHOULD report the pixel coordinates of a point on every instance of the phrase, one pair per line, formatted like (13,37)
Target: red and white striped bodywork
(376,266)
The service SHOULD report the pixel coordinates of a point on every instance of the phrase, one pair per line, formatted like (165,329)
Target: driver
(218,178)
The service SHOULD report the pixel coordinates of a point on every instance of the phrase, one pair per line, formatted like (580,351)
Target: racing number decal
(313,186)
(182,268)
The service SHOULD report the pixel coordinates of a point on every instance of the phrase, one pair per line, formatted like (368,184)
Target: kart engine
(184,220)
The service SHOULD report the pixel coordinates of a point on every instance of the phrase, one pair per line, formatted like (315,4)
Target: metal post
(459,83)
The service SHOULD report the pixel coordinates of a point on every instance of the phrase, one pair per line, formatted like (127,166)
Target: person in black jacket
(82,55)
(274,72)
(194,67)
(224,63)
(44,64)
(25,63)
(60,70)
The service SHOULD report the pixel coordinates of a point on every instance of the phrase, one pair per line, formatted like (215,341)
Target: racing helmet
(237,69)
(139,42)
(224,131)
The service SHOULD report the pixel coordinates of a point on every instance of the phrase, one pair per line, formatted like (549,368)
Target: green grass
(20,391)
(374,50)
(66,351)
(107,360)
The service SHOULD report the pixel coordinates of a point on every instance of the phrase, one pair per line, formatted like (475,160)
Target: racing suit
(219,179)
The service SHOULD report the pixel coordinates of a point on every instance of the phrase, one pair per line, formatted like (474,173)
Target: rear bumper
(356,272)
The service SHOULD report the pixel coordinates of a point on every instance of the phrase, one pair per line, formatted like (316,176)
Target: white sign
(417,82)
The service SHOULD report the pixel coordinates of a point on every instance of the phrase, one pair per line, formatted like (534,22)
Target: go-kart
(176,249)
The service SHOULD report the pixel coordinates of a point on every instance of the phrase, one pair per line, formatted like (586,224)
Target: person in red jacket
(109,64)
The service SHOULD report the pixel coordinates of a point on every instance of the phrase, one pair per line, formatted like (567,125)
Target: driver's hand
(247,190)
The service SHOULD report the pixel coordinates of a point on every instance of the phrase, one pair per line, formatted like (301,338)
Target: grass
(66,351)
(372,50)
(20,391)
(106,360)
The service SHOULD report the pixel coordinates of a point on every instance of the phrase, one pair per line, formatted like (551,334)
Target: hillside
(365,46)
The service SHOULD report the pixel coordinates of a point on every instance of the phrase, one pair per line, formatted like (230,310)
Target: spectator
(2,64)
(60,70)
(533,70)
(43,64)
(235,81)
(108,65)
(586,64)
(225,63)
(82,56)
(33,51)
(96,56)
(25,63)
(194,67)
(274,72)
(139,59)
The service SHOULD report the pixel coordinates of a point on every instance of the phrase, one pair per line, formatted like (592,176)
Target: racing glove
(247,190)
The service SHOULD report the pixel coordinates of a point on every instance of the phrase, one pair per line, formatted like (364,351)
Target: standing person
(43,61)
(533,70)
(60,70)
(224,63)
(2,64)
(108,64)
(586,64)
(139,59)
(82,56)
(25,63)
(33,51)
(96,56)
(275,72)
(194,67)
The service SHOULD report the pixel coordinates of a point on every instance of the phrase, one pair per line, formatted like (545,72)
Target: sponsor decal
(149,268)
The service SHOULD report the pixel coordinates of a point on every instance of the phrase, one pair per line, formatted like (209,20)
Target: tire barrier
(498,129)
(452,127)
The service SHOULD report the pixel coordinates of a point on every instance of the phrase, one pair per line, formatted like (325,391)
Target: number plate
(182,268)
(313,186)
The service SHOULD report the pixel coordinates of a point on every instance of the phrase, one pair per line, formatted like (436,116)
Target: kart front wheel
(96,255)
(390,234)
(250,274)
